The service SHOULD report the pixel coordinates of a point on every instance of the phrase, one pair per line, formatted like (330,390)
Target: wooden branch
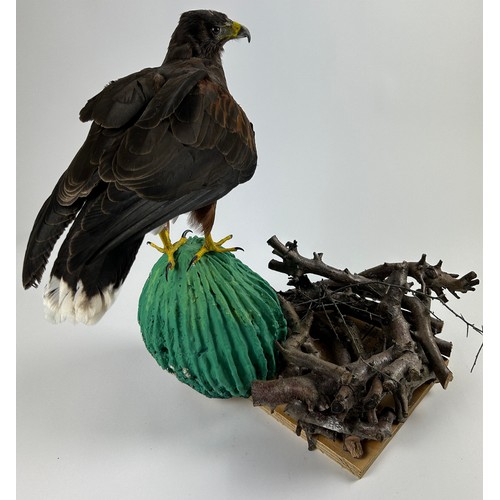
(296,265)
(273,393)
(375,394)
(432,277)
(445,347)
(424,334)
(337,373)
(429,277)
(357,342)
(351,332)
(390,307)
(407,367)
(378,432)
(299,328)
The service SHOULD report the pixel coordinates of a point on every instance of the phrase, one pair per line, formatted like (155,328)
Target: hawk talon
(167,269)
(169,248)
(210,245)
(192,262)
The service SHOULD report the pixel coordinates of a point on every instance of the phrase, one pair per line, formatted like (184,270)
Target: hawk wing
(163,141)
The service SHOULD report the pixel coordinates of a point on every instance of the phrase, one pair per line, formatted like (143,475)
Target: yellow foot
(169,248)
(212,246)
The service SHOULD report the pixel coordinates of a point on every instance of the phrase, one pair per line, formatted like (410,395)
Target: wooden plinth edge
(334,449)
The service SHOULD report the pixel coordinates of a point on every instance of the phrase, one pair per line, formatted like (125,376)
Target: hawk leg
(212,246)
(169,248)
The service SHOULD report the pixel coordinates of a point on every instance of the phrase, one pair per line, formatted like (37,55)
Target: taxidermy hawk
(163,141)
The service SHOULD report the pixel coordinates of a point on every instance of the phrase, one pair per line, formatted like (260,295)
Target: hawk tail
(84,294)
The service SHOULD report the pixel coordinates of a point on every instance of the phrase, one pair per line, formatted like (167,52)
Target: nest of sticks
(358,345)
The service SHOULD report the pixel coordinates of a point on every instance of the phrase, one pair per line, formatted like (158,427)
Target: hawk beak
(239,31)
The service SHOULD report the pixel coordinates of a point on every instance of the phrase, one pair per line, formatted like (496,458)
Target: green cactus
(214,325)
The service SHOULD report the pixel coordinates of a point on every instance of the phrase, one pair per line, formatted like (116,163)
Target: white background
(368,119)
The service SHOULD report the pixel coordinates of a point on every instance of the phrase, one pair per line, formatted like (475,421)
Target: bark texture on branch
(358,345)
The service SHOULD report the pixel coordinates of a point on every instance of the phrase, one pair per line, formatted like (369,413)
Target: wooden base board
(334,449)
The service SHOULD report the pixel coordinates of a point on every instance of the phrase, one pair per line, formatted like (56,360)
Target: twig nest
(214,325)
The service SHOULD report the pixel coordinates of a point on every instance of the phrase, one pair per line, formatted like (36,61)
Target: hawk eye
(215,30)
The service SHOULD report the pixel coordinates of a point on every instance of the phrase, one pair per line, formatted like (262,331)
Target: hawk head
(203,33)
